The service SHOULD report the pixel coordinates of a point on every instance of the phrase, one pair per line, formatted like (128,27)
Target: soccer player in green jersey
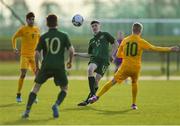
(98,52)
(53,44)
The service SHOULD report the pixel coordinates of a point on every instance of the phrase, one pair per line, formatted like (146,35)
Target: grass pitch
(158,102)
(80,69)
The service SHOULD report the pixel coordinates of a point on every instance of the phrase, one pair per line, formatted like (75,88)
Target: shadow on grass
(28,121)
(11,105)
(82,108)
(100,111)
(110,112)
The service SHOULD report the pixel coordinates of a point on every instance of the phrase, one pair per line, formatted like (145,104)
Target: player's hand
(69,65)
(16,51)
(175,48)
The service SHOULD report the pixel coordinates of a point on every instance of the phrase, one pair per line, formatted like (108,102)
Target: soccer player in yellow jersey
(131,50)
(29,35)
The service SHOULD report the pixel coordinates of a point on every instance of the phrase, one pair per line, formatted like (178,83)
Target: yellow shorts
(27,62)
(125,72)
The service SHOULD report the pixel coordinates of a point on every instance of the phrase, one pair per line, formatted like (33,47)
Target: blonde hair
(137,27)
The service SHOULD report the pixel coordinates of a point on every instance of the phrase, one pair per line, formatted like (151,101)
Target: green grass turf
(148,68)
(158,102)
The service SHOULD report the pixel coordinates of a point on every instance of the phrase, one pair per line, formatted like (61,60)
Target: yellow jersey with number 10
(132,47)
(29,39)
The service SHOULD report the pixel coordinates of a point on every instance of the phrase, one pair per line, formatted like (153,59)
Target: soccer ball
(77,20)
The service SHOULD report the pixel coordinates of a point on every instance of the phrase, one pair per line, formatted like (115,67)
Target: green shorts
(101,66)
(60,78)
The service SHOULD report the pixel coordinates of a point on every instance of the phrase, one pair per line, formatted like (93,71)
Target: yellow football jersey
(29,39)
(132,47)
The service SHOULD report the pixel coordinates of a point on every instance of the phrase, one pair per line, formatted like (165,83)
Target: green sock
(92,85)
(61,97)
(32,97)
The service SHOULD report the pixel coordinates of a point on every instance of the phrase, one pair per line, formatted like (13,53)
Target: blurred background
(161,20)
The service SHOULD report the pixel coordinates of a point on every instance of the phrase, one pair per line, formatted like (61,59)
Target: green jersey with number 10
(53,44)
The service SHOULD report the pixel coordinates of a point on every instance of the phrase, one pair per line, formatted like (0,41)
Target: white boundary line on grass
(85,78)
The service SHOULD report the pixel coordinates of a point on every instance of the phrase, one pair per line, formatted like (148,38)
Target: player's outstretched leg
(105,88)
(93,99)
(58,102)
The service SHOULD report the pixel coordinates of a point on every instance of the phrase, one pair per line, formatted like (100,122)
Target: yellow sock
(134,92)
(105,88)
(20,84)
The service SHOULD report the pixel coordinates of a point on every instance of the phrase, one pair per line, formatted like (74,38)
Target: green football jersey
(99,46)
(53,44)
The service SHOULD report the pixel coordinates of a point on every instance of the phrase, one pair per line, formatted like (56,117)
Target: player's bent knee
(22,75)
(91,69)
(36,88)
(90,72)
(113,81)
(134,82)
(64,88)
(96,82)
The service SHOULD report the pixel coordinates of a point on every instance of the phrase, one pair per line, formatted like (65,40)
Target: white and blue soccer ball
(77,20)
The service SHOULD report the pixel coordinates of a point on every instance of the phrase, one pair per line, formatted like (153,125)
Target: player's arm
(16,35)
(70,49)
(84,55)
(71,55)
(147,46)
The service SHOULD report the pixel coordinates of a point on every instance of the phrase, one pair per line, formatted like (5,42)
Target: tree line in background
(99,9)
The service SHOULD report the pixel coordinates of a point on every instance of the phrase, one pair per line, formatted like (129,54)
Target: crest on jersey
(97,43)
(101,37)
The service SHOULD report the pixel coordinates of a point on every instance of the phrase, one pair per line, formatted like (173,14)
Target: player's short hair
(95,21)
(30,15)
(137,27)
(51,20)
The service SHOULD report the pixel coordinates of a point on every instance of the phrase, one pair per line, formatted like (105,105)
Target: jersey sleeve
(17,34)
(147,46)
(67,42)
(110,38)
